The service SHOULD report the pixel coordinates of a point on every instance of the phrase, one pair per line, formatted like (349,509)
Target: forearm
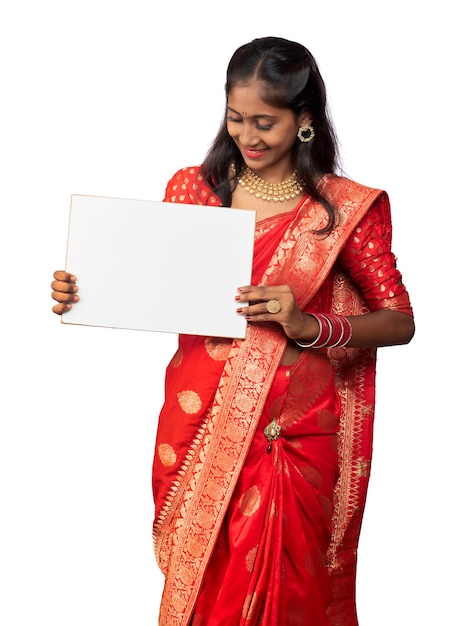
(372,330)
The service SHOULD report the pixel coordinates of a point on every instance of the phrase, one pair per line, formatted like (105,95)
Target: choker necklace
(277,192)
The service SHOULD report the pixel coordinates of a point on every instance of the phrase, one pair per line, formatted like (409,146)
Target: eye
(230,118)
(264,126)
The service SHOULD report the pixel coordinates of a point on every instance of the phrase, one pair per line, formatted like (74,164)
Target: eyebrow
(262,115)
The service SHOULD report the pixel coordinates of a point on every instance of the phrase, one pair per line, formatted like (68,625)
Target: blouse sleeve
(368,258)
(188,186)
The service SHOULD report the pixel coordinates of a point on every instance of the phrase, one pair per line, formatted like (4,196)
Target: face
(264,134)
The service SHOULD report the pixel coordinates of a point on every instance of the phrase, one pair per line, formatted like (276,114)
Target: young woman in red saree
(264,444)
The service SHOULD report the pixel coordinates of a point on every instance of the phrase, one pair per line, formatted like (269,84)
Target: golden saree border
(205,485)
(354,370)
(230,428)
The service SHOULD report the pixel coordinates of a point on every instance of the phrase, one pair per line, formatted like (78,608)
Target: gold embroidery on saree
(251,558)
(189,401)
(250,501)
(217,348)
(167,454)
(351,366)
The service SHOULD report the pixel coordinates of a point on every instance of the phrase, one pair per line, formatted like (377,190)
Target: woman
(264,444)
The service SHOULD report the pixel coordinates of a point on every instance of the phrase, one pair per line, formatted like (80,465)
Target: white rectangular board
(159,266)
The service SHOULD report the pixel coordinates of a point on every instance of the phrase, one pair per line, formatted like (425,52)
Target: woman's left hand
(273,304)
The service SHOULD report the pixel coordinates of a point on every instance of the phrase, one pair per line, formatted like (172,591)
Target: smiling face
(264,134)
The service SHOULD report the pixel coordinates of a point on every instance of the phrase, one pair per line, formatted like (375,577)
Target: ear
(305,119)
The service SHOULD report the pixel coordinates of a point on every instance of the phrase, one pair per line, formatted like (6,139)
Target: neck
(275,177)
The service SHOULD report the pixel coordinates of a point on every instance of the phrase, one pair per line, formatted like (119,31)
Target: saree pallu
(246,537)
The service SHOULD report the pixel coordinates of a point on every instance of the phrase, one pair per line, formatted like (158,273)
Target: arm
(371,330)
(368,259)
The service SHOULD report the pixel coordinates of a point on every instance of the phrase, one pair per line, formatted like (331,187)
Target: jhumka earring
(305,133)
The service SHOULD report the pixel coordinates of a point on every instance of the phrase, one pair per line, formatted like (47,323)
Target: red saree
(248,537)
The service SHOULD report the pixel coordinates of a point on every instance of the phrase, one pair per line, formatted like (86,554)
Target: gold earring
(303,133)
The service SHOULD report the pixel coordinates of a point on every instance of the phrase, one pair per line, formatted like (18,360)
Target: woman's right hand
(64,291)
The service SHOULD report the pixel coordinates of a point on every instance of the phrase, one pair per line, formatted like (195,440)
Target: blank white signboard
(159,266)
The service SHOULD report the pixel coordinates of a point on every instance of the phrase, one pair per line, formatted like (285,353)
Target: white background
(107,97)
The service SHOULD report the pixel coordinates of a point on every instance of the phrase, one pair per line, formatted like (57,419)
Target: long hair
(291,80)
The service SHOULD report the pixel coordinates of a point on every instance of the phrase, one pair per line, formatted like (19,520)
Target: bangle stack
(334,332)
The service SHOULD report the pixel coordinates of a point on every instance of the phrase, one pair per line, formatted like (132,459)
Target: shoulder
(181,183)
(186,174)
(341,189)
(188,186)
(351,197)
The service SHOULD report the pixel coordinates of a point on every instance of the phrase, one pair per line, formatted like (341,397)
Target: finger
(261,293)
(258,312)
(252,293)
(62,297)
(59,309)
(59,285)
(62,275)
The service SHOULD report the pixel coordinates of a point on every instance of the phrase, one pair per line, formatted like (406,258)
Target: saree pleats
(269,564)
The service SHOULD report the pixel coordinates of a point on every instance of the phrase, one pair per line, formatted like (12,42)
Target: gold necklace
(277,192)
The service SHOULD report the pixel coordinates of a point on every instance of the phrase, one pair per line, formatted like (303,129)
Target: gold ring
(273,306)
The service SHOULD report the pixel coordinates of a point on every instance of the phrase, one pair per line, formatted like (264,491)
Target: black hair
(291,80)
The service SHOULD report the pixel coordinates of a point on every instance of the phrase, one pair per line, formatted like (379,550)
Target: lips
(252,153)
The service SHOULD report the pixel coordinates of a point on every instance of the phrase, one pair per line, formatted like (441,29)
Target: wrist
(334,331)
(311,331)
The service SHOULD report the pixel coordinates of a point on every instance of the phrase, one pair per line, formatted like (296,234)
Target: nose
(248,136)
